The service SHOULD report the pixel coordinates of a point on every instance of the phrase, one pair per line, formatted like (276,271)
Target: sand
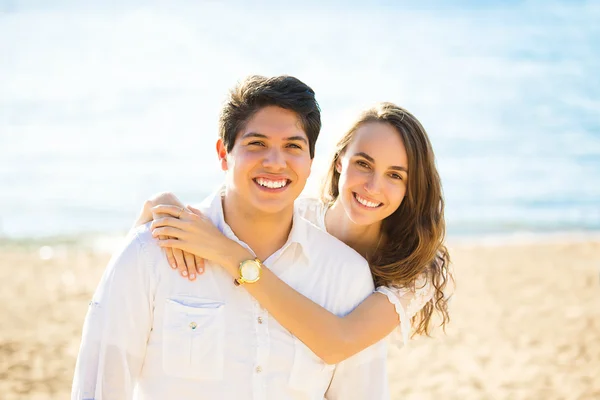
(525,323)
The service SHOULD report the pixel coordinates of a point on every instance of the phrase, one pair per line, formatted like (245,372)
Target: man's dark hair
(256,92)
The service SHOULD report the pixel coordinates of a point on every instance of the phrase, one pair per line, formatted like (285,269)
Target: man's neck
(362,238)
(265,233)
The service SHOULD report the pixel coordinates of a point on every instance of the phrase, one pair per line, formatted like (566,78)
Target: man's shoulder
(134,259)
(142,235)
(141,238)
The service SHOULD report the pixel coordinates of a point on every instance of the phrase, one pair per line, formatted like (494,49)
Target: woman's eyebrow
(399,168)
(372,160)
(365,155)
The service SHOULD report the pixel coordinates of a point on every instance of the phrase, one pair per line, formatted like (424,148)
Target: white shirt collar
(296,239)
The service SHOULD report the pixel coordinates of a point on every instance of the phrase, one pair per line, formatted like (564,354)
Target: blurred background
(103,104)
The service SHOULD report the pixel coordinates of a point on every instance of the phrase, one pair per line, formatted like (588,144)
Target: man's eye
(256,143)
(295,146)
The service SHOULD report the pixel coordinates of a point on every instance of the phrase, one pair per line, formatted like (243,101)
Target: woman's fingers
(193,264)
(170,256)
(194,210)
(168,231)
(180,261)
(171,243)
(173,255)
(199,265)
(165,226)
(190,263)
(173,211)
(146,213)
(165,198)
(167,221)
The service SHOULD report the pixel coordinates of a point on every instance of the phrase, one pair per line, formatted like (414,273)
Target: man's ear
(222,154)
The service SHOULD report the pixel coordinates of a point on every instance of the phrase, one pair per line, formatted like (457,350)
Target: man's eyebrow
(297,138)
(254,134)
(372,160)
(261,136)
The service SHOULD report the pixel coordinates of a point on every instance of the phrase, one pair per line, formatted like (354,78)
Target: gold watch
(250,271)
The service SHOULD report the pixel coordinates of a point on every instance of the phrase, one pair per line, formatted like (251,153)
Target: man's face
(269,163)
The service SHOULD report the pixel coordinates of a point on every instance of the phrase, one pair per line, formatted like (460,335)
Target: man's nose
(274,160)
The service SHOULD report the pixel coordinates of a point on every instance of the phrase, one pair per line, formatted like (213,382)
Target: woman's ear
(338,165)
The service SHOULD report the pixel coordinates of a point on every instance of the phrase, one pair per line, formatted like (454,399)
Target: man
(151,335)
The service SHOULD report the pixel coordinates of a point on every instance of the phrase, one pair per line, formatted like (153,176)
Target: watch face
(250,271)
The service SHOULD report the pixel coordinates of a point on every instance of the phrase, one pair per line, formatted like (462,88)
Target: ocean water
(102,106)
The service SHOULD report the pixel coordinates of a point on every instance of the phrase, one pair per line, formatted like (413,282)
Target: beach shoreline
(107,242)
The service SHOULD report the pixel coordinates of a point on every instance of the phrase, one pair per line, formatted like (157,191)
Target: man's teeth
(271,184)
(366,202)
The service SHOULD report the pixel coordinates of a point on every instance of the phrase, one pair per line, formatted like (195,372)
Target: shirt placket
(262,351)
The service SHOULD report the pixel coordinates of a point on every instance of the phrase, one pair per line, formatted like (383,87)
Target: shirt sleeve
(116,327)
(362,376)
(408,302)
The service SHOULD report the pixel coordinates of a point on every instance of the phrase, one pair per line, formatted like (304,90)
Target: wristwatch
(250,271)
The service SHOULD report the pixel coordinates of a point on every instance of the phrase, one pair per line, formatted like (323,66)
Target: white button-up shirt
(150,334)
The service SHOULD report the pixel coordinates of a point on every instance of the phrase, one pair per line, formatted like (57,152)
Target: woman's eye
(396,176)
(362,164)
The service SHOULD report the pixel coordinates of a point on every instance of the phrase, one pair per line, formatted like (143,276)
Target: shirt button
(259,319)
(258,369)
(193,325)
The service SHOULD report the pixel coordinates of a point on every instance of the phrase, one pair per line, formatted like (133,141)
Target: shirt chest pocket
(309,372)
(193,331)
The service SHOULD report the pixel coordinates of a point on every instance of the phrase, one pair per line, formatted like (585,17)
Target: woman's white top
(408,302)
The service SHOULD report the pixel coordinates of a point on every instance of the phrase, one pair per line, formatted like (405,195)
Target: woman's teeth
(366,202)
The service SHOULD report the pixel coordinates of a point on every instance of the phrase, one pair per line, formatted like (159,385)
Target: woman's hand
(187,264)
(194,233)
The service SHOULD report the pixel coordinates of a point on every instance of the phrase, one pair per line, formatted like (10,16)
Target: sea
(103,105)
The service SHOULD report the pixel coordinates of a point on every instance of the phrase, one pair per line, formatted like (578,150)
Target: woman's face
(373,173)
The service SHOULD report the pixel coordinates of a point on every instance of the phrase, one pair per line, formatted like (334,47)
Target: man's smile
(272,184)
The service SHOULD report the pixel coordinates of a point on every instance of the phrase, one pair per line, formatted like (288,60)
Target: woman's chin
(362,217)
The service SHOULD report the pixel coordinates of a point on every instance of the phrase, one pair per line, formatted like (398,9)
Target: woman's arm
(330,337)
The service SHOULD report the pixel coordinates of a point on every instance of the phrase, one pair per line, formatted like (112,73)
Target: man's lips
(272,183)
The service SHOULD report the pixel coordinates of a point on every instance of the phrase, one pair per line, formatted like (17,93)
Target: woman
(382,196)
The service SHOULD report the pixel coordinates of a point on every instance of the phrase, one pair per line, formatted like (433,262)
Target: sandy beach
(525,323)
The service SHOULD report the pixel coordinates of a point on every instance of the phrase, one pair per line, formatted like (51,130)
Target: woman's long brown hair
(414,233)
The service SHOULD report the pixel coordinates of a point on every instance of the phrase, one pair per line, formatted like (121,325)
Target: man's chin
(273,206)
